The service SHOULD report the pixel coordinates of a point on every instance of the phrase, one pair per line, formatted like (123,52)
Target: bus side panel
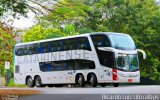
(105,75)
(19,76)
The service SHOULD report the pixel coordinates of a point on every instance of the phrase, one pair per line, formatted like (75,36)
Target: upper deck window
(54,46)
(100,40)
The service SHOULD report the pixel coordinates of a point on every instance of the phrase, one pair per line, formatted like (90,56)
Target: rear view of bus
(121,57)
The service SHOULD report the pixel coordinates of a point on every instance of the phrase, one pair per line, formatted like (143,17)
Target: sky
(24,23)
(20,22)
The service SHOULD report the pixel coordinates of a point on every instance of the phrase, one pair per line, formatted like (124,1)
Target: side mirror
(144,54)
(109,49)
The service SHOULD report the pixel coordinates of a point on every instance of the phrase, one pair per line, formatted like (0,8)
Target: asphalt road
(152,89)
(89,93)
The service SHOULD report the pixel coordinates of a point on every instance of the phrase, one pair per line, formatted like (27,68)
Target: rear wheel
(93,80)
(81,81)
(116,84)
(30,82)
(38,82)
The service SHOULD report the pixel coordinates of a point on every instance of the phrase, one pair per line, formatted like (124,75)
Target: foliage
(53,33)
(16,6)
(69,30)
(38,33)
(35,33)
(7,42)
(6,47)
(65,12)
(12,84)
(84,30)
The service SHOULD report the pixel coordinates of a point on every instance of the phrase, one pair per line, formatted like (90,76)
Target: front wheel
(116,84)
(93,80)
(38,81)
(30,82)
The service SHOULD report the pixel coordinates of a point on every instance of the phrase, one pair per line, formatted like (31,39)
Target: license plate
(130,80)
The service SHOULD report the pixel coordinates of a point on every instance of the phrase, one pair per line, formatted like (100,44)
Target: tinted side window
(105,58)
(59,45)
(46,47)
(32,49)
(53,46)
(83,43)
(77,64)
(16,50)
(19,51)
(100,41)
(68,44)
(25,52)
(84,64)
(56,65)
(70,64)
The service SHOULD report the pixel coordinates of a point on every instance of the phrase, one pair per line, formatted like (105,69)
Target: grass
(12,84)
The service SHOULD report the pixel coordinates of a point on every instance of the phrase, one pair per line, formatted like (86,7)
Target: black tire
(93,80)
(38,81)
(103,84)
(115,84)
(81,81)
(30,82)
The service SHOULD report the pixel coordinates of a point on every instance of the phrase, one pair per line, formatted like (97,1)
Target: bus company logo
(55,56)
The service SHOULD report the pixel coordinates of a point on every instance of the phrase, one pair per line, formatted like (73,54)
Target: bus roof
(67,37)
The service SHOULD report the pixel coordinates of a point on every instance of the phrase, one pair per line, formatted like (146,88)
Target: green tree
(38,33)
(53,33)
(69,30)
(6,47)
(65,12)
(33,34)
(83,30)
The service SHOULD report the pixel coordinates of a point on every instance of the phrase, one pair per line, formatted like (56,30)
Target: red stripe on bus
(114,74)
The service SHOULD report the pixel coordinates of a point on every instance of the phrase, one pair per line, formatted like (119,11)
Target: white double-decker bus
(91,58)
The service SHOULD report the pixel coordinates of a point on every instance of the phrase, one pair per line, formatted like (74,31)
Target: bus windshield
(127,62)
(123,42)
